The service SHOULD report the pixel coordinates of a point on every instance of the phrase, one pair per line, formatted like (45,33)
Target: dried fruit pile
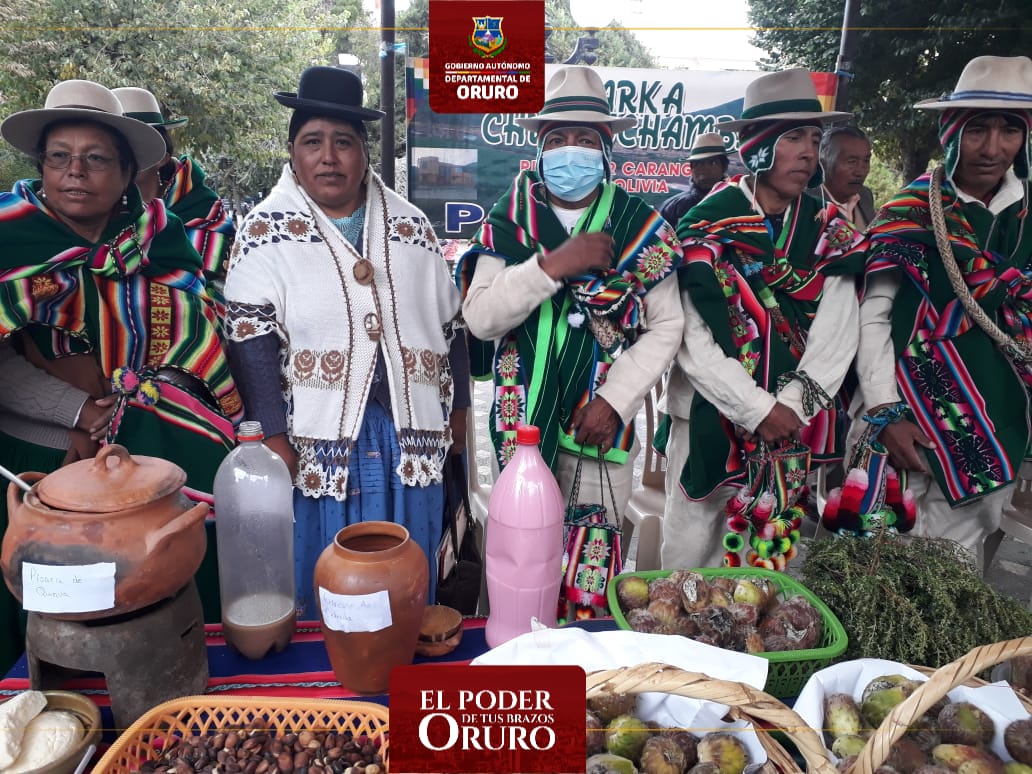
(257,751)
(953,736)
(740,614)
(619,742)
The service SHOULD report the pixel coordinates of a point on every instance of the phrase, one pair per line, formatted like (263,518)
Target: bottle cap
(528,435)
(250,431)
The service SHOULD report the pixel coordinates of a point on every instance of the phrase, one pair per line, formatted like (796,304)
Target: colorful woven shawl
(208,225)
(758,298)
(551,364)
(961,389)
(136,299)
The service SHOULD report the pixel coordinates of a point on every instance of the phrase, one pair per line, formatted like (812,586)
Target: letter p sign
(458,215)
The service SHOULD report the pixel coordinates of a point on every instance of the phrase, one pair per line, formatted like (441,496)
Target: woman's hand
(901,439)
(280,444)
(596,425)
(457,423)
(580,254)
(95,415)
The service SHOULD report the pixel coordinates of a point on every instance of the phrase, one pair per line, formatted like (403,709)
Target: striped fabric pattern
(208,225)
(960,388)
(759,301)
(137,301)
(547,392)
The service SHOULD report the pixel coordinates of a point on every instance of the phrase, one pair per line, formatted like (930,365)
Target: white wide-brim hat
(576,94)
(784,96)
(707,146)
(77,100)
(990,83)
(143,106)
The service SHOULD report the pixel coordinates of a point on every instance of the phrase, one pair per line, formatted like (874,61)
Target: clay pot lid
(440,632)
(114,480)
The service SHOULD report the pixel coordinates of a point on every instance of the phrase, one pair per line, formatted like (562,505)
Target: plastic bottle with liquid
(254,525)
(524,543)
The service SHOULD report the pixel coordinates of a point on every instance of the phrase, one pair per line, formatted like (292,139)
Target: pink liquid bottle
(524,551)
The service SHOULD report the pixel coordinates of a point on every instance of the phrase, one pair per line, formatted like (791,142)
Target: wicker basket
(203,715)
(788,670)
(745,702)
(942,681)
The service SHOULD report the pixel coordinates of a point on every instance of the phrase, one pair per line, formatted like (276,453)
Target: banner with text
(459,164)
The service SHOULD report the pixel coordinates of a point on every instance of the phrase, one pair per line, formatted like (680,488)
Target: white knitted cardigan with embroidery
(284,278)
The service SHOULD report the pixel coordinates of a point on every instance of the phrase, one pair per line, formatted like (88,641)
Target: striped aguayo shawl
(758,298)
(962,390)
(136,300)
(208,225)
(549,367)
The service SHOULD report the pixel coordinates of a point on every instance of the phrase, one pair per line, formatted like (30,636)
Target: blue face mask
(571,172)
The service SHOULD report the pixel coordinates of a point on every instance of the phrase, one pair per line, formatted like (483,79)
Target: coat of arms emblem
(487,39)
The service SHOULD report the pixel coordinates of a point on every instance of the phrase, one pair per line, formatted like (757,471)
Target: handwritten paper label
(355,612)
(68,589)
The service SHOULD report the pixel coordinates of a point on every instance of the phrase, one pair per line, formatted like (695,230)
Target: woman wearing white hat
(102,294)
(952,353)
(770,329)
(182,183)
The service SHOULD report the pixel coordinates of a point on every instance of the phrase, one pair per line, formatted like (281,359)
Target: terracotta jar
(371,584)
(118,508)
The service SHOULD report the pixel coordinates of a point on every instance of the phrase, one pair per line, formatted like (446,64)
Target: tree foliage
(906,52)
(213,61)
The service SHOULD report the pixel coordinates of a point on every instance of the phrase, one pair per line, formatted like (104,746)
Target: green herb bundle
(909,599)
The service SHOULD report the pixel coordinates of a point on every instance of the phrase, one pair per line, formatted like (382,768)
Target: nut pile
(257,751)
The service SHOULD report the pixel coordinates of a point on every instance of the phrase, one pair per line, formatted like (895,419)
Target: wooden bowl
(88,714)
(440,632)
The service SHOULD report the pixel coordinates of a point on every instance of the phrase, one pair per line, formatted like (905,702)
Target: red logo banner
(487,56)
(495,719)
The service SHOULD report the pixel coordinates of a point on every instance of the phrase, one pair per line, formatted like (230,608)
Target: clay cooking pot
(118,508)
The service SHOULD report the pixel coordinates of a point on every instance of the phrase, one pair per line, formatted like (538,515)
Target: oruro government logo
(487,39)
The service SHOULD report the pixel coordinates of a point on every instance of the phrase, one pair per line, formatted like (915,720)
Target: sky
(676,32)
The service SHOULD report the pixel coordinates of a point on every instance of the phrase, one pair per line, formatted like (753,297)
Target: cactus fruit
(661,755)
(963,723)
(725,750)
(841,715)
(607,763)
(966,759)
(606,706)
(1017,738)
(626,736)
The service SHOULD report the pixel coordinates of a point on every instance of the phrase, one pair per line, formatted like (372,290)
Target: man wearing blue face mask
(570,283)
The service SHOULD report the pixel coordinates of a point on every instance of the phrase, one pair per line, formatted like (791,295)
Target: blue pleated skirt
(375,493)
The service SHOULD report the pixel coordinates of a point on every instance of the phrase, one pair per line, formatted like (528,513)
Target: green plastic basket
(788,670)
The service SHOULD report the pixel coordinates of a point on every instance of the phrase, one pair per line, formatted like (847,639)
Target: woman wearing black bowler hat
(343,330)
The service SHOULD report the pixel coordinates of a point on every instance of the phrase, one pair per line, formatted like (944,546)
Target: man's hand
(596,425)
(781,424)
(580,254)
(95,415)
(457,423)
(281,445)
(901,439)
